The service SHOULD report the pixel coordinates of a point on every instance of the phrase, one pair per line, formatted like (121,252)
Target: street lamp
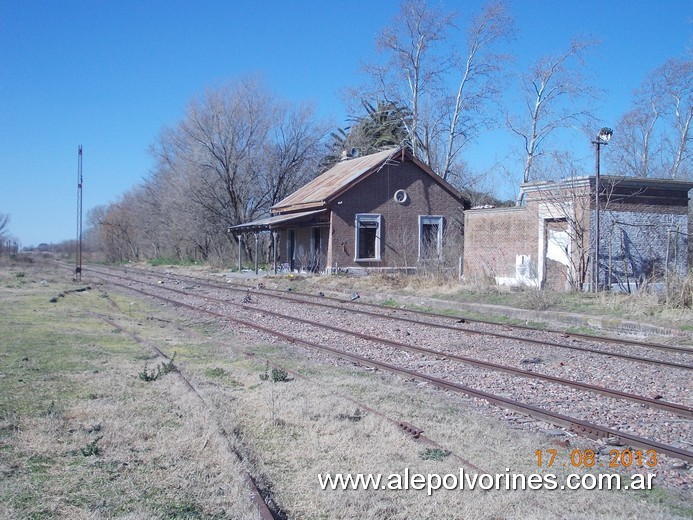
(603,138)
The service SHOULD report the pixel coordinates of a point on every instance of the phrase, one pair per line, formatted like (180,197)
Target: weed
(92,449)
(145,375)
(265,375)
(581,330)
(185,509)
(52,410)
(215,372)
(434,454)
(279,375)
(539,299)
(159,371)
(355,417)
(678,292)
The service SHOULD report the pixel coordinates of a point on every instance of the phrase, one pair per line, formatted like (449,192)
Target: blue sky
(110,75)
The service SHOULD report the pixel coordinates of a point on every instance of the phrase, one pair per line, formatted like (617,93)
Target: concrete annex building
(384,210)
(549,242)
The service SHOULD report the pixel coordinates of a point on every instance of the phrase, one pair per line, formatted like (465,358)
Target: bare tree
(215,149)
(446,91)
(292,154)
(634,145)
(4,225)
(569,206)
(412,44)
(92,235)
(654,138)
(478,80)
(676,78)
(554,92)
(118,230)
(236,152)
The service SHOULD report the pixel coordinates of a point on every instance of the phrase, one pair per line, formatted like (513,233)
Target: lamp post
(602,139)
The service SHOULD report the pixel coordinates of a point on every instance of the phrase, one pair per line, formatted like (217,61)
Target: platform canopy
(273,222)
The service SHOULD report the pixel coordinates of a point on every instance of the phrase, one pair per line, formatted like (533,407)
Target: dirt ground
(84,434)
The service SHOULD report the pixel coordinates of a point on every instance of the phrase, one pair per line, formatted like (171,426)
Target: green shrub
(91,449)
(279,375)
(434,454)
(159,371)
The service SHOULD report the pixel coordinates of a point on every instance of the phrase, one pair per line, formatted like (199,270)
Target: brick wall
(399,222)
(493,239)
(643,232)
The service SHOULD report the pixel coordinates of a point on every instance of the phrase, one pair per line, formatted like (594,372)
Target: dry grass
(307,434)
(82,436)
(160,452)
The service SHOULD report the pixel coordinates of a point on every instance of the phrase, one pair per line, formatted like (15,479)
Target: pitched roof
(342,176)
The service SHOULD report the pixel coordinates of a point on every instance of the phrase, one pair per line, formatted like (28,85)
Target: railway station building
(550,242)
(387,210)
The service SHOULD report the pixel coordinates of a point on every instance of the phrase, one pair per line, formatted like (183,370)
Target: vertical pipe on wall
(666,259)
(240,240)
(596,226)
(676,248)
(611,256)
(625,259)
(256,268)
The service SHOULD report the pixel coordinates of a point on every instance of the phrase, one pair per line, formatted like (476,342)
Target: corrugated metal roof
(270,222)
(343,174)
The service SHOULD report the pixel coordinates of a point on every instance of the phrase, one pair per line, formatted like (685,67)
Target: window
(367,236)
(430,236)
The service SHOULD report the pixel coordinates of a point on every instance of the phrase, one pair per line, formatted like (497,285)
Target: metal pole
(78,252)
(666,260)
(274,250)
(240,240)
(596,226)
(256,252)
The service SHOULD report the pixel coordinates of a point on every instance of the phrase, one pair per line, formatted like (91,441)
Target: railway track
(409,429)
(266,507)
(548,337)
(579,425)
(677,409)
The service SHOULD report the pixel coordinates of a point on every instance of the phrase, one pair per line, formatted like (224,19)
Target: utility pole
(78,252)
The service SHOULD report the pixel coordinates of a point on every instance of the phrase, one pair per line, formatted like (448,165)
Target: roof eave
(303,206)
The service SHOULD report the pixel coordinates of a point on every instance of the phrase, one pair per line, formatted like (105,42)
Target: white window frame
(431,219)
(367,217)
